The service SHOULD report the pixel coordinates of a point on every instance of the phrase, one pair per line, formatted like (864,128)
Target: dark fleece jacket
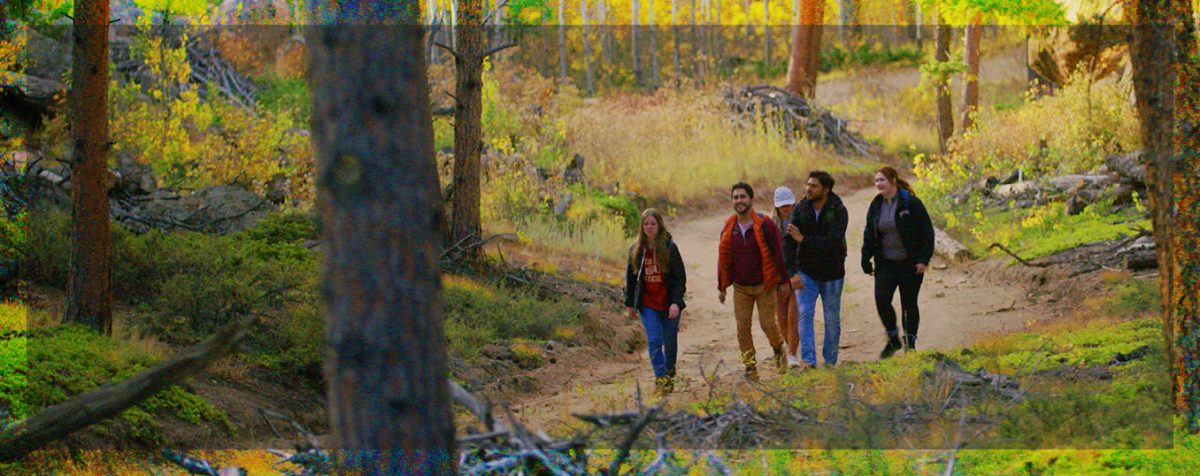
(822,254)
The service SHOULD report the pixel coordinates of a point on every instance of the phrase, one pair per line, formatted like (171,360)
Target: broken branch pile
(794,116)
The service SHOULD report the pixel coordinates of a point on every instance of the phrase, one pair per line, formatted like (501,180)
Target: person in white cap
(786,312)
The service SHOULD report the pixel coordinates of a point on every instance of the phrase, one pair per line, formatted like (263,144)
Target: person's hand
(794,232)
(721,296)
(673,312)
(632,313)
(921,268)
(797,282)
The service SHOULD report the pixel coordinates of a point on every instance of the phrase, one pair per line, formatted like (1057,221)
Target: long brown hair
(894,177)
(662,254)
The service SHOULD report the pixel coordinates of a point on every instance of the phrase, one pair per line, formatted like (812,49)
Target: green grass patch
(13,363)
(479,314)
(1036,231)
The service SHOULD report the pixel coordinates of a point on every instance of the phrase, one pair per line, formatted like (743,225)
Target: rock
(563,204)
(136,178)
(219,209)
(47,57)
(574,171)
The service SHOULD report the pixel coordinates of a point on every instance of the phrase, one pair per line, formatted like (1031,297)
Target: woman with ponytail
(899,238)
(655,282)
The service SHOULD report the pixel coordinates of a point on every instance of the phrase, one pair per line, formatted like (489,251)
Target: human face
(741,201)
(815,191)
(886,187)
(650,227)
(786,211)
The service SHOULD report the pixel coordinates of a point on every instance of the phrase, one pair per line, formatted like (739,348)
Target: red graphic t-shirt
(655,295)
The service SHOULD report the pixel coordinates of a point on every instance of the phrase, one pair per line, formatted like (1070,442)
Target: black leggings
(889,275)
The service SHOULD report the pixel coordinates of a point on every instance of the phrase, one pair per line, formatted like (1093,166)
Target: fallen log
(1068,182)
(1011,190)
(949,248)
(1128,165)
(58,421)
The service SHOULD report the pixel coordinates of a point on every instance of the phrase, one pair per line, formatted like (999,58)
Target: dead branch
(108,401)
(1018,258)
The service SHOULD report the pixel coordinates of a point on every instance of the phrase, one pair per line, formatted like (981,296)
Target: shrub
(477,314)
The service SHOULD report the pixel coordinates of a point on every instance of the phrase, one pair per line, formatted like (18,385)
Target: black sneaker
(892,346)
(910,342)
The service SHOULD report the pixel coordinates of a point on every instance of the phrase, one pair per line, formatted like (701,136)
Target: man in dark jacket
(815,253)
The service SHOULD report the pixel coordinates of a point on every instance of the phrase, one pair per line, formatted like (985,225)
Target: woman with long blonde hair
(655,282)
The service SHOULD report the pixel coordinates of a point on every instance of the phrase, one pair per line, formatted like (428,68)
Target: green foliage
(13,362)
(201,141)
(285,97)
(864,55)
(478,314)
(1008,12)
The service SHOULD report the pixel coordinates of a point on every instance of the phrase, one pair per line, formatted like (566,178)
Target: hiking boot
(780,359)
(752,374)
(892,346)
(910,343)
(670,380)
(661,386)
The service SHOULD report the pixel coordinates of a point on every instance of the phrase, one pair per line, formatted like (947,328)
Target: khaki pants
(744,299)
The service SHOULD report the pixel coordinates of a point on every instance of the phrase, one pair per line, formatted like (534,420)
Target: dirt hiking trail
(956,309)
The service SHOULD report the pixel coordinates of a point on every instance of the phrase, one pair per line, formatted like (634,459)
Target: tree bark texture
(806,49)
(653,45)
(1152,53)
(379,205)
(945,111)
(1187,219)
(89,282)
(971,76)
(468,128)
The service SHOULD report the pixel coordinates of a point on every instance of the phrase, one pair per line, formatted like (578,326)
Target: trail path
(956,309)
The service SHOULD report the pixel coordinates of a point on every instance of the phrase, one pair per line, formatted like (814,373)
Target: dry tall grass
(680,146)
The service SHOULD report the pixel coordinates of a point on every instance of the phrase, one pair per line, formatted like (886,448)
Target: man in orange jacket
(751,260)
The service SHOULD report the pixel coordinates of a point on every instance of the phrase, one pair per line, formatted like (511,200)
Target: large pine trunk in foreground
(1154,86)
(1187,222)
(89,283)
(379,203)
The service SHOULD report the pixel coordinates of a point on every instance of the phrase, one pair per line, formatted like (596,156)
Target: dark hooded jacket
(913,224)
(822,254)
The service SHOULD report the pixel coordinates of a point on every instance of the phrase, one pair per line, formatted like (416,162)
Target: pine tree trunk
(971,76)
(468,130)
(1154,85)
(562,45)
(1187,222)
(587,52)
(386,364)
(806,49)
(89,282)
(653,45)
(675,34)
(945,112)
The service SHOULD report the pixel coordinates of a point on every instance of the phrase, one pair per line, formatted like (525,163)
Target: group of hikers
(781,265)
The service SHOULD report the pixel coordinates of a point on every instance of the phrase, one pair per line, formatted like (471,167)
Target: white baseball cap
(783,196)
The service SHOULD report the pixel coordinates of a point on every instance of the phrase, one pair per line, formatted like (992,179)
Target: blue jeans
(662,337)
(806,303)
